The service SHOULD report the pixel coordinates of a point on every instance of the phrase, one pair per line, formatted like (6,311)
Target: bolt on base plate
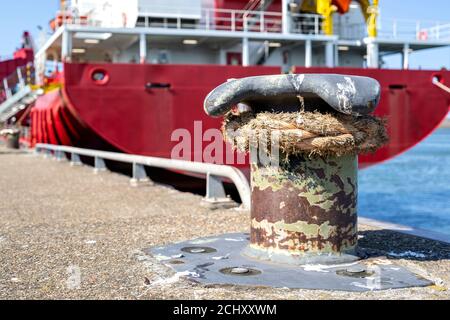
(219,260)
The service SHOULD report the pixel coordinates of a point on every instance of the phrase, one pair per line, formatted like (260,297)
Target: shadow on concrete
(12,151)
(177,180)
(395,245)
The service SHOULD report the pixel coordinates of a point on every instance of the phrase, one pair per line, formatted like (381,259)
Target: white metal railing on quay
(213,172)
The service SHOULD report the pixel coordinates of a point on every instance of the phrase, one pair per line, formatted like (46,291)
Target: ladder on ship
(16,98)
(254,6)
(263,51)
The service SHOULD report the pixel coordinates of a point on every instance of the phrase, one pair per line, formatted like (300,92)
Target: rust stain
(305,206)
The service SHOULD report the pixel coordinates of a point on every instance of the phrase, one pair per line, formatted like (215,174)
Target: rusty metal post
(303,206)
(304,210)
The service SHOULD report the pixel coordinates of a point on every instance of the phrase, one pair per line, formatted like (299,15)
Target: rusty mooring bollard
(303,201)
(303,134)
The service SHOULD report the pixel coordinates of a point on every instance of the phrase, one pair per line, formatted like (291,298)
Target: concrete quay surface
(66,233)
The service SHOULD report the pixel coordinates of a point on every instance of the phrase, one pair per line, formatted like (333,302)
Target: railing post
(75,160)
(373,55)
(59,156)
(316,24)
(308,53)
(207,19)
(233,20)
(142,48)
(329,54)
(47,153)
(285,17)
(245,52)
(261,22)
(37,150)
(215,194)
(19,76)
(394,29)
(99,165)
(7,90)
(214,187)
(66,46)
(405,56)
(417,29)
(438,35)
(139,175)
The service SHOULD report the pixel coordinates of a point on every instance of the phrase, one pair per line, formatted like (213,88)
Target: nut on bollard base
(219,260)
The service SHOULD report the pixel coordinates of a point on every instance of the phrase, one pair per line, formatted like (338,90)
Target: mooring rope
(310,133)
(441,85)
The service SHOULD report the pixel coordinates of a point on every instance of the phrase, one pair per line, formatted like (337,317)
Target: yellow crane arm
(326,8)
(365,4)
(370,13)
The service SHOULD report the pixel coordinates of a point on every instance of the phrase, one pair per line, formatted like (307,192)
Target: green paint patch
(318,179)
(310,230)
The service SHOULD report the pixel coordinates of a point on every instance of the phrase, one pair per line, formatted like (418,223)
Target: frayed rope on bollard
(306,133)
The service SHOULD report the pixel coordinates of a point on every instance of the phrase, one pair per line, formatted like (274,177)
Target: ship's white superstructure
(196,32)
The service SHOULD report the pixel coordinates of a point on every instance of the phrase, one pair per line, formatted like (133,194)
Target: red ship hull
(121,113)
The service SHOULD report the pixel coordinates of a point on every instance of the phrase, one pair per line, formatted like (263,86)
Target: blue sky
(19,15)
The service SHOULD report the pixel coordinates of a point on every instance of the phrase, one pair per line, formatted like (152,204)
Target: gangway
(16,97)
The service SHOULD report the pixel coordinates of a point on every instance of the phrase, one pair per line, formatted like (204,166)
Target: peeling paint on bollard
(304,210)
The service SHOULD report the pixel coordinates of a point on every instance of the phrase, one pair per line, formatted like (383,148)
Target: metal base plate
(219,260)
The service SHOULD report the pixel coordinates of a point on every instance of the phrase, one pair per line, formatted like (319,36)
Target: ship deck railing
(404,29)
(268,22)
(16,92)
(14,83)
(212,20)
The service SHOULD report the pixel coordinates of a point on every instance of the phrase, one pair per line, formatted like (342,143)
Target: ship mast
(63,5)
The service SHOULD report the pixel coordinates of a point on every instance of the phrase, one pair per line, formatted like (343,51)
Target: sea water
(412,189)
